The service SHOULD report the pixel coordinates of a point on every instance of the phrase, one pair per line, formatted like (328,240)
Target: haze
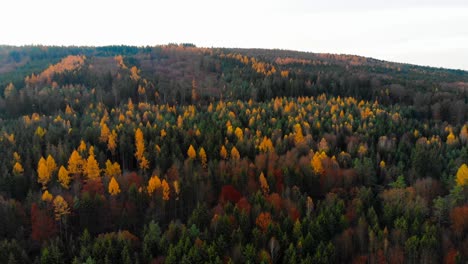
(433,33)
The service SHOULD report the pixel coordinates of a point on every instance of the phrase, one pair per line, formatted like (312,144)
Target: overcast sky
(433,33)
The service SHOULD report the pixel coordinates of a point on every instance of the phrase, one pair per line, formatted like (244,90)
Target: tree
(46,196)
(64,178)
(112,169)
(111,142)
(105,133)
(462,175)
(18,168)
(239,133)
(223,152)
(298,136)
(51,165)
(92,167)
(114,188)
(75,163)
(191,153)
(153,184)
(235,154)
(43,174)
(264,184)
(140,150)
(203,158)
(61,208)
(166,190)
(263,221)
(316,164)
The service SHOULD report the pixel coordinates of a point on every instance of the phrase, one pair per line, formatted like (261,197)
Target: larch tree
(64,178)
(113,188)
(51,165)
(264,184)
(298,135)
(61,208)
(462,175)
(223,152)
(46,196)
(154,183)
(105,133)
(191,153)
(43,173)
(92,170)
(140,150)
(166,190)
(235,154)
(203,158)
(18,168)
(112,142)
(75,163)
(316,163)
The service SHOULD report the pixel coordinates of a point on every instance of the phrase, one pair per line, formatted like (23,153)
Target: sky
(423,32)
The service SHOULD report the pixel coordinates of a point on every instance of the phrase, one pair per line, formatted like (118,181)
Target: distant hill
(173,73)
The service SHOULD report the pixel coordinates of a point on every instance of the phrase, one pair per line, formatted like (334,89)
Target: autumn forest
(180,154)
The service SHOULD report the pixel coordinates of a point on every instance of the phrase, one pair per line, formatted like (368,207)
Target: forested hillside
(179,154)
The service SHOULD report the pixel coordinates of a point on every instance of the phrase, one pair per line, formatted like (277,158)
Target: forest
(181,154)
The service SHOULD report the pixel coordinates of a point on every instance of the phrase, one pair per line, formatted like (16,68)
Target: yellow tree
(82,148)
(462,175)
(46,196)
(140,150)
(264,184)
(92,170)
(298,136)
(61,208)
(114,188)
(111,142)
(51,165)
(18,168)
(75,163)
(166,190)
(266,145)
(316,163)
(105,133)
(43,174)
(64,178)
(203,158)
(153,184)
(239,133)
(223,152)
(192,154)
(112,169)
(235,154)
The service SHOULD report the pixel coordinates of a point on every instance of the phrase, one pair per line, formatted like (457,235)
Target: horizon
(418,32)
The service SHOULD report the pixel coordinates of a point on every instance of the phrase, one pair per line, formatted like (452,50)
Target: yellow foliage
(203,158)
(113,188)
(462,175)
(112,169)
(60,207)
(64,178)
(298,136)
(153,184)
(191,153)
(166,190)
(239,133)
(316,163)
(75,163)
(235,154)
(323,145)
(43,174)
(51,165)
(266,145)
(46,196)
(16,156)
(264,184)
(223,152)
(105,133)
(40,132)
(451,139)
(18,168)
(382,164)
(92,170)
(111,142)
(176,188)
(82,148)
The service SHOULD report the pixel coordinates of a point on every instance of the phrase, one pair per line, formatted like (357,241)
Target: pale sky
(423,32)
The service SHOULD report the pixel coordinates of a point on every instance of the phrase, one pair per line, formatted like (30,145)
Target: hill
(179,154)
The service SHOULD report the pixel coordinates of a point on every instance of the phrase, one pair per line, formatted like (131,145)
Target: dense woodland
(179,154)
